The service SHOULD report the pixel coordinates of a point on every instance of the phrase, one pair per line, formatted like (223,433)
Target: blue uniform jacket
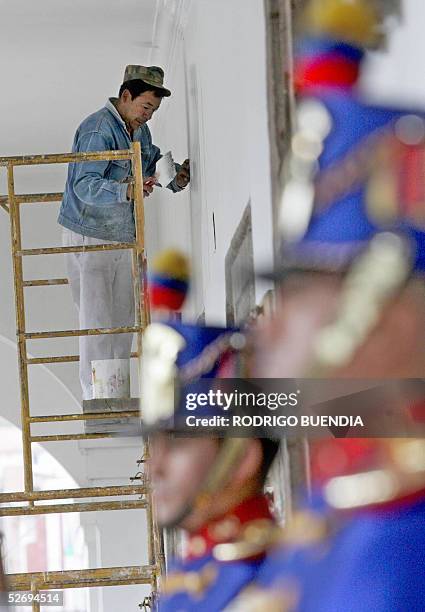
(205,582)
(373,562)
(219,584)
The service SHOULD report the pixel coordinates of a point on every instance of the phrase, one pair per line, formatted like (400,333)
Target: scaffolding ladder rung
(68,437)
(65,158)
(43,282)
(38,198)
(61,359)
(55,494)
(65,333)
(51,359)
(73,507)
(105,576)
(119,246)
(32,198)
(89,416)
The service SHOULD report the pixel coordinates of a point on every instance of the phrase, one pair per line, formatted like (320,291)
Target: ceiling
(60,60)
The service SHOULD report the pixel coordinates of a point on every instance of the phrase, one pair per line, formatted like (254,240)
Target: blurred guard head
(352,255)
(353,207)
(188,472)
(176,357)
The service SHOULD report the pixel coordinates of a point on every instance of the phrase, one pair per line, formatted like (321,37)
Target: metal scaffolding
(34,502)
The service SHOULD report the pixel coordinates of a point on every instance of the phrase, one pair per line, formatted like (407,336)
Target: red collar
(228,527)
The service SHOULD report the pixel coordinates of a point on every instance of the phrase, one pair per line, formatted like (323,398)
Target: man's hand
(148,185)
(183,175)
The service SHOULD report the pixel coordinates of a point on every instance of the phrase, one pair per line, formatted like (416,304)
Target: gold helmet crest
(352,21)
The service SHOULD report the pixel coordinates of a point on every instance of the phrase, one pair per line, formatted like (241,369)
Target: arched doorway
(46,542)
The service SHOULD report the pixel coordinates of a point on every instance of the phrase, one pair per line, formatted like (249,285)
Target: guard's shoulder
(191,579)
(210,586)
(227,568)
(257,599)
(255,540)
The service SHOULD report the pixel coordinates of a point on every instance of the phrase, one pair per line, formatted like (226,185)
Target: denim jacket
(95,198)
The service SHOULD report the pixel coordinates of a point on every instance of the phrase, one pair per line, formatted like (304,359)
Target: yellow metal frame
(33,500)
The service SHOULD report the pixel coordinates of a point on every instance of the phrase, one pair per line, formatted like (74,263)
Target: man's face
(178,468)
(308,302)
(138,111)
(284,343)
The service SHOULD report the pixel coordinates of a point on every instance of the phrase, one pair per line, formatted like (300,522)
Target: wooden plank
(107,576)
(64,158)
(21,496)
(82,332)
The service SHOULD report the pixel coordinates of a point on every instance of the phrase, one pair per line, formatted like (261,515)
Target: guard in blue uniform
(206,483)
(351,304)
(358,545)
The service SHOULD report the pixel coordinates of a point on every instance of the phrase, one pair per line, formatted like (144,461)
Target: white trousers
(102,289)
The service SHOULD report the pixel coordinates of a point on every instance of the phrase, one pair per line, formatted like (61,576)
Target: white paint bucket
(111,378)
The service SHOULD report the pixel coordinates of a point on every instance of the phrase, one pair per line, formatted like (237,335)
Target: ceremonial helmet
(181,361)
(354,205)
(354,21)
(354,196)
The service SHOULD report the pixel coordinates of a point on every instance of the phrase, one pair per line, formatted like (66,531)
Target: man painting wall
(97,208)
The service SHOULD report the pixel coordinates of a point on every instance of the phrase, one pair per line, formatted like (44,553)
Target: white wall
(396,74)
(217,58)
(213,53)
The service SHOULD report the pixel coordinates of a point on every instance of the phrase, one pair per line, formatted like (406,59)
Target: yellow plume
(352,21)
(172,264)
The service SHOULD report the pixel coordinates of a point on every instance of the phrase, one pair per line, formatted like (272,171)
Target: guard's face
(394,348)
(138,111)
(178,468)
(284,343)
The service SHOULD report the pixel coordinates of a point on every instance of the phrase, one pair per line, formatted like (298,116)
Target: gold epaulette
(401,474)
(255,539)
(194,583)
(258,599)
(306,528)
